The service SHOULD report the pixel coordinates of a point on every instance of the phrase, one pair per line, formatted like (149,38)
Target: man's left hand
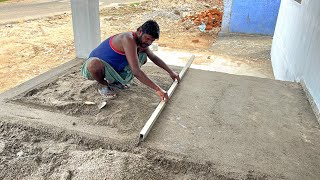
(175,76)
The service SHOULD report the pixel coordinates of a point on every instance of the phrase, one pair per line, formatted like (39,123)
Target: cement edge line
(38,80)
(311,100)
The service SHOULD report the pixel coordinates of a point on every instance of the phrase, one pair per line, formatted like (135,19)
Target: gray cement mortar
(243,125)
(216,126)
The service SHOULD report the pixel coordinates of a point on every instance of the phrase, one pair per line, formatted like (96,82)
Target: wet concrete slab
(245,126)
(240,126)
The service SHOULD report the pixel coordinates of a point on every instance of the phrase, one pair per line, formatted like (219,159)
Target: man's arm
(155,59)
(130,49)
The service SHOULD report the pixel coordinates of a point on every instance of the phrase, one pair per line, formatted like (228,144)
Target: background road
(11,12)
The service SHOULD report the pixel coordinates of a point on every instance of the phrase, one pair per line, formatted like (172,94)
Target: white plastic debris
(89,103)
(202,27)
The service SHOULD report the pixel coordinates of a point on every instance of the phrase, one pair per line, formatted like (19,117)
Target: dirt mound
(32,154)
(70,94)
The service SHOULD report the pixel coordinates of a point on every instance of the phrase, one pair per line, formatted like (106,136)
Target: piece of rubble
(187,24)
(102,105)
(67,175)
(211,18)
(2,146)
(177,12)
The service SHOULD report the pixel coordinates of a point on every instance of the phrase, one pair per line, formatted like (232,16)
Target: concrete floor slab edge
(38,80)
(313,104)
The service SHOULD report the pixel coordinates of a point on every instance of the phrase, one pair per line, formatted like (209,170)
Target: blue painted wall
(254,16)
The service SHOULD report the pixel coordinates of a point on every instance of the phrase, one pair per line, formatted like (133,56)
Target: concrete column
(86,26)
(225,26)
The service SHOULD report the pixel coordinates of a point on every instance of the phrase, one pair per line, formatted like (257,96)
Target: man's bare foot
(107,92)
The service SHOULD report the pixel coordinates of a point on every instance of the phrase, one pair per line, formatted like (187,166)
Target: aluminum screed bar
(147,127)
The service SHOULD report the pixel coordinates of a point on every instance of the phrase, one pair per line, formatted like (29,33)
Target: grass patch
(3,0)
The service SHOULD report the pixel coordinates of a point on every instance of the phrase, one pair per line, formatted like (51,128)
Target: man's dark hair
(151,27)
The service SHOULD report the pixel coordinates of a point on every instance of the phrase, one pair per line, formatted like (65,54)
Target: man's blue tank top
(106,52)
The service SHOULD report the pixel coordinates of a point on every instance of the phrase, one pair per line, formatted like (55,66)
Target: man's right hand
(163,95)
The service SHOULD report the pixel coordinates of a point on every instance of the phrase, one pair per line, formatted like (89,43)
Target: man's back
(108,52)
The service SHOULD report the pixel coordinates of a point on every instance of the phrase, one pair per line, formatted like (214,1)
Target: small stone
(37,159)
(35,140)
(67,175)
(2,146)
(20,153)
(184,14)
(177,12)
(73,123)
(188,24)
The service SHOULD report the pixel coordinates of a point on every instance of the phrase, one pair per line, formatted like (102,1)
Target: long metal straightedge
(147,127)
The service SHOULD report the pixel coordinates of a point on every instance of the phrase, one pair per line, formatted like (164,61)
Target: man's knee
(95,66)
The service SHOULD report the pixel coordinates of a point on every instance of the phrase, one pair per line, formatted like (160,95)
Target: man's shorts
(123,77)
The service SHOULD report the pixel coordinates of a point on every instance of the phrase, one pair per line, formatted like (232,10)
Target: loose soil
(73,96)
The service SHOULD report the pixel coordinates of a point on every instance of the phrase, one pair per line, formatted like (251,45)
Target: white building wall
(295,50)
